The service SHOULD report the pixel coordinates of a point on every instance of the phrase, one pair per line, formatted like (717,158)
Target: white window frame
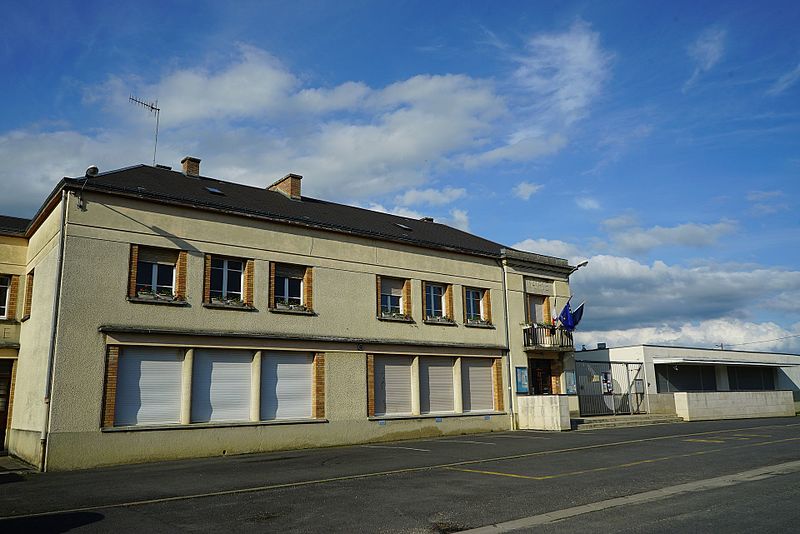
(225,271)
(440,298)
(481,315)
(154,276)
(8,295)
(285,296)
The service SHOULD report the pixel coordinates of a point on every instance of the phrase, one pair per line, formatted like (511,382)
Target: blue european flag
(569,319)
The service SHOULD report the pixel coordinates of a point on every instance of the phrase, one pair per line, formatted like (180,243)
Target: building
(716,384)
(158,314)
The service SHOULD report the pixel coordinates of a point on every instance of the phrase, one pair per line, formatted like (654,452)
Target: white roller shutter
(392,385)
(476,384)
(148,386)
(221,385)
(436,385)
(286,385)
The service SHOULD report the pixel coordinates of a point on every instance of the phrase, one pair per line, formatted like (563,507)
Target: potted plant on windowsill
(439,319)
(286,304)
(479,322)
(232,300)
(385,314)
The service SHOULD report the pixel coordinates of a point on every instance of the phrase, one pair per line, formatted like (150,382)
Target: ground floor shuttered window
(392,385)
(436,385)
(286,385)
(148,386)
(221,385)
(476,384)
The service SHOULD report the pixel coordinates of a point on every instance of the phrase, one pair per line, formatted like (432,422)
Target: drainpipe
(508,349)
(48,383)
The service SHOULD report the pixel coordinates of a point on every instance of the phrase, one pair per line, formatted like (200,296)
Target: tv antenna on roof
(153,108)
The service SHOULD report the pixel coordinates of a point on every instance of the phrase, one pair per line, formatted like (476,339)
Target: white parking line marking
(465,441)
(521,437)
(394,447)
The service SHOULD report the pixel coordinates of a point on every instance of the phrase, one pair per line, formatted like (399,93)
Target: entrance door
(5,391)
(541,383)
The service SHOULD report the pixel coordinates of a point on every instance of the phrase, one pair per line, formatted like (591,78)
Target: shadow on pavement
(50,523)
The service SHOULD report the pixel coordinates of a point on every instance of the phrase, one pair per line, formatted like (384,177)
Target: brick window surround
(296,271)
(110,386)
(181,262)
(248,277)
(447,298)
(486,304)
(406,295)
(26,308)
(497,380)
(318,381)
(370,385)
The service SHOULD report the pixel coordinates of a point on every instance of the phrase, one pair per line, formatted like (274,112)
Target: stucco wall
(733,405)
(544,412)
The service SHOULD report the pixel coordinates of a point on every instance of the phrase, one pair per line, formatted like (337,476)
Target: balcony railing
(547,337)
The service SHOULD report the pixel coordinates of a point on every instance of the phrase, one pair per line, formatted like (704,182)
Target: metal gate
(610,388)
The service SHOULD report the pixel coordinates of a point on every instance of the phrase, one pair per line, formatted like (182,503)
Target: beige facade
(80,255)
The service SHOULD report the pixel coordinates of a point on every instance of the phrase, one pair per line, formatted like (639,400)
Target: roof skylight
(214,190)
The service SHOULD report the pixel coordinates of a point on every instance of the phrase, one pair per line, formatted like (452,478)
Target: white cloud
(432,197)
(519,148)
(566,70)
(785,82)
(524,190)
(641,240)
(551,247)
(396,210)
(620,222)
(587,203)
(628,294)
(458,219)
(705,52)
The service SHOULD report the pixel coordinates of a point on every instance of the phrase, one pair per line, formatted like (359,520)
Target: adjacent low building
(694,383)
(157,314)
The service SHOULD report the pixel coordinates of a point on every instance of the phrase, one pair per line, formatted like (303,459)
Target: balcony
(539,337)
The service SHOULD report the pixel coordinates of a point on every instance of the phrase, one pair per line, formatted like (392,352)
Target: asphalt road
(665,478)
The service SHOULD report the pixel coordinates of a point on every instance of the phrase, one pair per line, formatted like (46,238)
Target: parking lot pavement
(426,485)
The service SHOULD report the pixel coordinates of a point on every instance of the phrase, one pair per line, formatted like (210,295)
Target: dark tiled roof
(13,225)
(175,187)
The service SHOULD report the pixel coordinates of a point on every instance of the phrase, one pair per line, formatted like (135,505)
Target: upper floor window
(157,275)
(5,293)
(438,302)
(393,298)
(227,279)
(477,306)
(155,272)
(539,309)
(291,287)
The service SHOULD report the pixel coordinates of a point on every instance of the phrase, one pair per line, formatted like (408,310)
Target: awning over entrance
(697,361)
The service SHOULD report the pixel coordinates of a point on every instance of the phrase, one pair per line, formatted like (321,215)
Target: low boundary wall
(733,405)
(544,412)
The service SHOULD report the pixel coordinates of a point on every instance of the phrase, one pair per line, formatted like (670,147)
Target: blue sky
(660,142)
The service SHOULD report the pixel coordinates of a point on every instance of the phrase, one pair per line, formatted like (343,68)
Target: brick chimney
(191,166)
(289,185)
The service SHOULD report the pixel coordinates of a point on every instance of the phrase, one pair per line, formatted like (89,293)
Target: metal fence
(610,388)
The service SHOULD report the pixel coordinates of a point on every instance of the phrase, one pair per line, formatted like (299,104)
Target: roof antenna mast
(153,108)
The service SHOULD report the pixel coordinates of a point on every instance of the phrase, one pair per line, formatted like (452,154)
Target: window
(671,378)
(477,306)
(392,385)
(394,298)
(291,287)
(438,303)
(436,385)
(148,386)
(751,378)
(539,309)
(155,272)
(476,384)
(227,277)
(286,386)
(5,293)
(221,385)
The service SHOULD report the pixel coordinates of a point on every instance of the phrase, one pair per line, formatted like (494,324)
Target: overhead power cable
(762,341)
